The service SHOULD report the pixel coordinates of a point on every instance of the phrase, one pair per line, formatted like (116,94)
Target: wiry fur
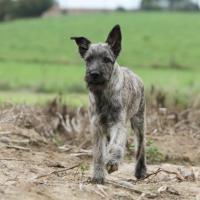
(116,96)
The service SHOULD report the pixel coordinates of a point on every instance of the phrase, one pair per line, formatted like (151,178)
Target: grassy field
(37,57)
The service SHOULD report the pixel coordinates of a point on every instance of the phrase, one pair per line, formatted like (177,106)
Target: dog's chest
(108,110)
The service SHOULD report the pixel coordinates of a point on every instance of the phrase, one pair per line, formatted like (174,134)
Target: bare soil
(45,153)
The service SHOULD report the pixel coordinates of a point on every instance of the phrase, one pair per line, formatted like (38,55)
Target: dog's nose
(95,74)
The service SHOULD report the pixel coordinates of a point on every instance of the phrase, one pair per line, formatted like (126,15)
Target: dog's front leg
(99,146)
(116,147)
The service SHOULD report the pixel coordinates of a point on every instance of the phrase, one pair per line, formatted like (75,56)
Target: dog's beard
(96,87)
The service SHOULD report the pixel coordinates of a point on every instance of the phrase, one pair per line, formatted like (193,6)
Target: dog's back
(132,91)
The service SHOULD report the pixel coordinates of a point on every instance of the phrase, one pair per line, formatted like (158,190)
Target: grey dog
(116,97)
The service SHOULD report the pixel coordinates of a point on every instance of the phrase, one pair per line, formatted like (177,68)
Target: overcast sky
(109,4)
(102,4)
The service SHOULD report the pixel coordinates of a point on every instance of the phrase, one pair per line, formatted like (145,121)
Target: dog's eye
(89,59)
(107,60)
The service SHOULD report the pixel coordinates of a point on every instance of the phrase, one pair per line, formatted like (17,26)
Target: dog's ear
(83,44)
(114,40)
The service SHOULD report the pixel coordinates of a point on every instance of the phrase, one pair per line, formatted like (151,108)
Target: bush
(184,5)
(23,8)
(4,8)
(151,5)
(30,8)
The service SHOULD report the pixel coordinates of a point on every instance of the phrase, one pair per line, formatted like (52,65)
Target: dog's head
(99,58)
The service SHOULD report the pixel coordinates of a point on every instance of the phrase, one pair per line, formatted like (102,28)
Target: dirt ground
(46,154)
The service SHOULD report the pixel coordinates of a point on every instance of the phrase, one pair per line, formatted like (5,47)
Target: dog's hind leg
(138,125)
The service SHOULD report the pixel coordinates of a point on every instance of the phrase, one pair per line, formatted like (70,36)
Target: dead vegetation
(46,154)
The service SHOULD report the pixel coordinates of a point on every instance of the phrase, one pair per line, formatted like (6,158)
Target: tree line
(10,9)
(184,5)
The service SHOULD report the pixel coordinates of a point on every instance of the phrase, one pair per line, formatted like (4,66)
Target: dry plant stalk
(178,175)
(73,124)
(58,171)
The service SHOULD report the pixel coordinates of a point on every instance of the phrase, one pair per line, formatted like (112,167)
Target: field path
(33,166)
(43,172)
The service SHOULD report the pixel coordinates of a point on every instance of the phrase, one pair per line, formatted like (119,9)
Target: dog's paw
(112,166)
(97,180)
(98,175)
(140,171)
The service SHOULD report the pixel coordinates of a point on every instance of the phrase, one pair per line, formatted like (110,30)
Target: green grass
(153,153)
(148,38)
(66,79)
(41,77)
(72,99)
(38,83)
(39,61)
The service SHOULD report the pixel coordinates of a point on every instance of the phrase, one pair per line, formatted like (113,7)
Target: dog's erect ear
(83,44)
(114,40)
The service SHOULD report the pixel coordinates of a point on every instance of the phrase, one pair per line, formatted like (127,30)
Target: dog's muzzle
(95,76)
(95,80)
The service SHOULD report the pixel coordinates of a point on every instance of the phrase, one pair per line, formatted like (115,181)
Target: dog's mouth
(95,85)
(96,82)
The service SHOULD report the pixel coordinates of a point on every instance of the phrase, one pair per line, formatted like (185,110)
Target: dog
(116,96)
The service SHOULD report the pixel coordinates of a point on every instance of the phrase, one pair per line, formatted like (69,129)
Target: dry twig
(18,147)
(57,171)
(178,176)
(125,185)
(82,152)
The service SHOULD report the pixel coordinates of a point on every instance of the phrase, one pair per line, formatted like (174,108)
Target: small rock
(168,189)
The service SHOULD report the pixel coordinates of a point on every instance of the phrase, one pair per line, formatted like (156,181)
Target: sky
(100,4)
(197,1)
